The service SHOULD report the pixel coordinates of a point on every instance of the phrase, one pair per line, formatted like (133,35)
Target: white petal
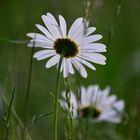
(63,104)
(92,89)
(38,40)
(80,68)
(54,24)
(89,96)
(53,61)
(62,66)
(98,47)
(63,95)
(104,94)
(94,57)
(73,99)
(52,19)
(91,50)
(84,99)
(111,99)
(38,36)
(42,52)
(114,119)
(73,102)
(45,56)
(90,30)
(92,38)
(119,105)
(106,91)
(73,27)
(93,94)
(78,31)
(70,67)
(86,63)
(79,40)
(108,114)
(45,31)
(40,44)
(47,41)
(63,25)
(66,68)
(53,28)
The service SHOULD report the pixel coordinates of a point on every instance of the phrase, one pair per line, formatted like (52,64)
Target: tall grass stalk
(88,6)
(16,117)
(56,100)
(114,22)
(8,116)
(69,126)
(77,126)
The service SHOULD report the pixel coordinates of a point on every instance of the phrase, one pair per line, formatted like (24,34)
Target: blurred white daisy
(77,46)
(95,103)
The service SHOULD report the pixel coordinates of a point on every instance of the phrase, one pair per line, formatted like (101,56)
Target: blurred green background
(122,71)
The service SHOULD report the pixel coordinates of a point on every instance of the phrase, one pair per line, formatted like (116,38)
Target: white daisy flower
(77,46)
(96,103)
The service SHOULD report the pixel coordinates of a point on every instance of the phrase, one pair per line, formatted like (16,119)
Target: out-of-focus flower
(96,104)
(77,47)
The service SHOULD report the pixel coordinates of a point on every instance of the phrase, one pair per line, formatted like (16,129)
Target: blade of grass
(8,116)
(15,115)
(38,117)
(114,22)
(56,100)
(13,41)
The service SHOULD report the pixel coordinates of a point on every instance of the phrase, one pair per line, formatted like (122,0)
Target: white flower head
(77,46)
(95,103)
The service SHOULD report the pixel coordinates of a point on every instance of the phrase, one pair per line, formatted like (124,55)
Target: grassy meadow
(119,23)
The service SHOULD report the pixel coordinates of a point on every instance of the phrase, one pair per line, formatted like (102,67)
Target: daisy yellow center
(66,47)
(89,111)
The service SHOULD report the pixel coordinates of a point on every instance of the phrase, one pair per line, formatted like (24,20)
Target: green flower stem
(56,100)
(27,95)
(28,87)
